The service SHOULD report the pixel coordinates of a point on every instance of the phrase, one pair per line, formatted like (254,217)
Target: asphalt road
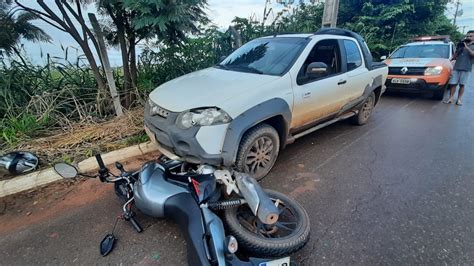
(398,190)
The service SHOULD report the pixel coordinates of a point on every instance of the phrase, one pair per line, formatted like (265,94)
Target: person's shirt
(464,60)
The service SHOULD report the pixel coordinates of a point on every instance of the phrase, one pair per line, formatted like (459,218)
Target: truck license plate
(401,81)
(279,262)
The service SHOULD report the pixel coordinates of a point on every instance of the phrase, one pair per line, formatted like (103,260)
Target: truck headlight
(202,117)
(156,110)
(433,71)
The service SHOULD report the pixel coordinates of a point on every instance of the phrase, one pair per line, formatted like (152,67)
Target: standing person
(464,57)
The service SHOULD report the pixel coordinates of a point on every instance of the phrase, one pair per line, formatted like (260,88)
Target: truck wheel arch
(275,112)
(375,87)
(378,94)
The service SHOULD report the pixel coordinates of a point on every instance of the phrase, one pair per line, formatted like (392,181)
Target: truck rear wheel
(258,151)
(365,111)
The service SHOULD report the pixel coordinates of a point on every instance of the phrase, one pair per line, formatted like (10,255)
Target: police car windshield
(422,51)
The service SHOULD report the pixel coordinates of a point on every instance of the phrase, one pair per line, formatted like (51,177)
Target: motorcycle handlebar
(100,161)
(103,171)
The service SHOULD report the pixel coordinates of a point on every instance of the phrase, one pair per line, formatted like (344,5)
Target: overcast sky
(220,12)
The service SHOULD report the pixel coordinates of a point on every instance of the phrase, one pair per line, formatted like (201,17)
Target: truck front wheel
(258,151)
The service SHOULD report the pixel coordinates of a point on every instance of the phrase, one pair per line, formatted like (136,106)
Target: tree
(168,20)
(16,25)
(300,18)
(134,21)
(122,34)
(386,24)
(67,20)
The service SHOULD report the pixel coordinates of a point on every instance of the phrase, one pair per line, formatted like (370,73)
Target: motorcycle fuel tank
(152,190)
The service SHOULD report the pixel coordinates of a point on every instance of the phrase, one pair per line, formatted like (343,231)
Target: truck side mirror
(383,57)
(316,69)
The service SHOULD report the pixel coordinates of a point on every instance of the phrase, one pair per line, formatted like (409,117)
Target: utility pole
(331,8)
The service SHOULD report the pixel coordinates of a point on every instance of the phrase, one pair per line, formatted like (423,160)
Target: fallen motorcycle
(218,210)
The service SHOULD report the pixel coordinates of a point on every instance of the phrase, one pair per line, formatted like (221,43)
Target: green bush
(15,129)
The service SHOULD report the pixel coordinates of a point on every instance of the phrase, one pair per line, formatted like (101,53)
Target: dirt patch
(303,181)
(35,206)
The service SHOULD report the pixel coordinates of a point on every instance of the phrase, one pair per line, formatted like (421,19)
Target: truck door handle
(342,82)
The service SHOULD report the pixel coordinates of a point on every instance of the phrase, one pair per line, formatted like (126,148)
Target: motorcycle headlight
(156,110)
(202,117)
(432,71)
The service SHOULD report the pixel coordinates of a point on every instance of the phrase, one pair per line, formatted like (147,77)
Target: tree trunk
(133,62)
(108,69)
(133,71)
(126,69)
(236,35)
(94,67)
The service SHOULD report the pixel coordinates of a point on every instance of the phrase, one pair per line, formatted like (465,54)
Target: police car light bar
(444,38)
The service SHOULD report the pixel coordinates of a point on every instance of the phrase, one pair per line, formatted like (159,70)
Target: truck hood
(416,62)
(207,87)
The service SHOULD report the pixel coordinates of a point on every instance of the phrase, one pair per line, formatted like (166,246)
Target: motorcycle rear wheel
(288,235)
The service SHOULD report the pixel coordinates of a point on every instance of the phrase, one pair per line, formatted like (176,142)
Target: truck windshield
(422,51)
(270,56)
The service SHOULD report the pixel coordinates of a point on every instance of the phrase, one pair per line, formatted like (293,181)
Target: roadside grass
(16,129)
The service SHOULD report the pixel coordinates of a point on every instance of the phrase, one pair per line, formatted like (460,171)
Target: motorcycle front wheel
(286,236)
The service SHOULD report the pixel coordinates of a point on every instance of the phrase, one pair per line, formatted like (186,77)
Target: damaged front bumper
(177,143)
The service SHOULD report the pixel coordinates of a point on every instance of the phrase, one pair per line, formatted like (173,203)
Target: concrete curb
(39,178)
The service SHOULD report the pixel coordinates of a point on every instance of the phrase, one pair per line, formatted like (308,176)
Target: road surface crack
(378,188)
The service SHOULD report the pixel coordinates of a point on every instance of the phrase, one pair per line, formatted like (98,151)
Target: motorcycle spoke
(280,225)
(248,225)
(285,226)
(287,223)
(260,229)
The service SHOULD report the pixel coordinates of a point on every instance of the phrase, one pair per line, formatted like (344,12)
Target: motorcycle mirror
(107,244)
(65,170)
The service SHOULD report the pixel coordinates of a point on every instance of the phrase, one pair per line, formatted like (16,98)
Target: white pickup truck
(269,92)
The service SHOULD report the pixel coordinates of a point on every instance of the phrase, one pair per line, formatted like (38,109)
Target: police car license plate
(401,81)
(278,262)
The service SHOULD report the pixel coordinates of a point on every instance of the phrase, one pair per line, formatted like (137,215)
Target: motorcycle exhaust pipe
(259,202)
